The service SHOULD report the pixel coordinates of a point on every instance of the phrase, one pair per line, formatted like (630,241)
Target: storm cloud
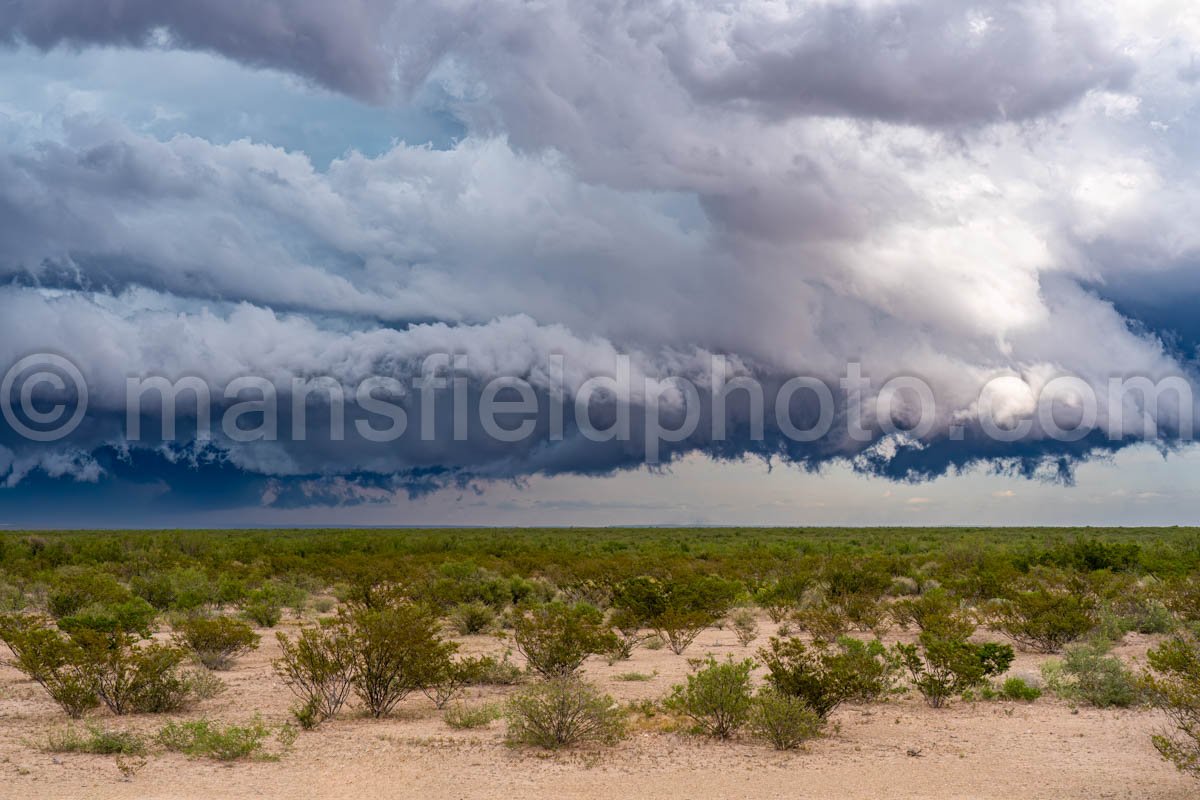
(932,190)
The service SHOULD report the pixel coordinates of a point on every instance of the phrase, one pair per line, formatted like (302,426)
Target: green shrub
(492,671)
(677,610)
(556,638)
(469,619)
(134,615)
(634,677)
(451,676)
(938,611)
(318,667)
(216,641)
(96,741)
(781,597)
(1086,674)
(74,588)
(942,668)
(469,717)
(783,720)
(53,660)
(1173,685)
(825,675)
(1017,689)
(131,676)
(263,606)
(206,739)
(745,627)
(394,651)
(716,698)
(563,712)
(1044,618)
(825,622)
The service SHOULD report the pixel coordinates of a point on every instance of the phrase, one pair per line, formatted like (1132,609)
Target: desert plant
(825,675)
(676,610)
(492,671)
(825,622)
(781,597)
(1173,685)
(469,619)
(936,610)
(216,641)
(783,720)
(51,659)
(318,667)
(563,712)
(206,739)
(628,635)
(716,697)
(467,717)
(942,667)
(557,638)
(450,677)
(1044,618)
(1018,689)
(130,676)
(263,606)
(96,741)
(394,651)
(1085,673)
(745,627)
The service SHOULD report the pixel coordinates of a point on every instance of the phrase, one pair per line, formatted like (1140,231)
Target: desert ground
(897,749)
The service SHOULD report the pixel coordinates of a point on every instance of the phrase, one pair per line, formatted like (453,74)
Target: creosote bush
(557,638)
(466,717)
(394,651)
(676,610)
(563,712)
(1045,618)
(207,739)
(470,619)
(1085,673)
(942,667)
(716,697)
(216,641)
(318,667)
(1173,685)
(745,627)
(825,675)
(782,720)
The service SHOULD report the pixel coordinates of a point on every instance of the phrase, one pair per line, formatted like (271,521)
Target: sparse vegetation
(216,641)
(557,638)
(716,697)
(563,712)
(467,717)
(1173,685)
(207,739)
(782,720)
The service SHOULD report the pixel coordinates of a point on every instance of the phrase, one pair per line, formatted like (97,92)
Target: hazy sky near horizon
(294,189)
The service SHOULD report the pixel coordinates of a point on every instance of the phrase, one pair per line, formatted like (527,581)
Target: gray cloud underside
(922,188)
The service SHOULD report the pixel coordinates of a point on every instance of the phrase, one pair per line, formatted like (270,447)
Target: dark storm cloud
(336,44)
(800,186)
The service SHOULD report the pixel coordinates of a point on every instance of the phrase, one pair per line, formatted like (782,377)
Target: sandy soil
(898,749)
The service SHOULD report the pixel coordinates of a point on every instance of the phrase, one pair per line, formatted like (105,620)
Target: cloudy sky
(990,197)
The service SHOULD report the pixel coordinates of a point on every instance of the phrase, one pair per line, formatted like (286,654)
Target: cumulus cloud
(954,193)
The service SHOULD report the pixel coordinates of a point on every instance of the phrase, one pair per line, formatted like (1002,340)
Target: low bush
(1044,618)
(1019,690)
(468,717)
(492,671)
(216,641)
(942,667)
(206,739)
(563,712)
(96,741)
(557,638)
(825,675)
(825,622)
(263,606)
(470,619)
(785,721)
(716,697)
(318,667)
(1173,685)
(1086,674)
(745,627)
(450,677)
(130,676)
(394,651)
(783,596)
(51,659)
(677,610)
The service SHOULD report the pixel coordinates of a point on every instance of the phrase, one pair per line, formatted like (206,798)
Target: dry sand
(897,749)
